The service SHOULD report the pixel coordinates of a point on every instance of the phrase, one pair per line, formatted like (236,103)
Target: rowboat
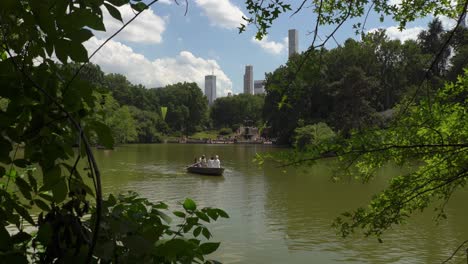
(206,171)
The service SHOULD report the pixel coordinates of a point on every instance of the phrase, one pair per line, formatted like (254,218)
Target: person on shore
(217,162)
(211,162)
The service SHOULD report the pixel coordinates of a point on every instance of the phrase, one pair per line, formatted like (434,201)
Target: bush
(312,135)
(225,131)
(134,230)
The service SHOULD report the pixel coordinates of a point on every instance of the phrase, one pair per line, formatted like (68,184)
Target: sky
(165,46)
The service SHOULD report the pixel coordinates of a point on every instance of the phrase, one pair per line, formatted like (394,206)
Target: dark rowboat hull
(206,171)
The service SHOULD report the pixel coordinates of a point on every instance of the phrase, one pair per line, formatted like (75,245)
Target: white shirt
(210,163)
(217,163)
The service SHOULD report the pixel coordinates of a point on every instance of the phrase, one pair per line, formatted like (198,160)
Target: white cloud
(116,57)
(447,22)
(167,2)
(272,47)
(147,28)
(406,34)
(221,13)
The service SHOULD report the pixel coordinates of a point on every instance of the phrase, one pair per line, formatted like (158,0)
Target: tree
(236,110)
(315,135)
(430,130)
(51,113)
(149,125)
(187,108)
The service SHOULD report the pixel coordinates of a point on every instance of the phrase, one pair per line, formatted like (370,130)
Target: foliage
(50,109)
(118,118)
(238,109)
(349,85)
(147,125)
(434,133)
(429,128)
(187,107)
(206,135)
(315,134)
(330,12)
(430,137)
(225,131)
(135,230)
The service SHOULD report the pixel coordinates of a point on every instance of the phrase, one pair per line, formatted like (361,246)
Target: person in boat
(217,162)
(211,162)
(196,162)
(203,161)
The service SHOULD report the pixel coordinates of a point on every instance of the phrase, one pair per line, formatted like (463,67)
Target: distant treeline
(350,87)
(354,86)
(135,113)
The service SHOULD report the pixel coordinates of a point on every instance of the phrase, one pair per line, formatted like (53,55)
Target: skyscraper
(293,40)
(210,88)
(259,86)
(248,80)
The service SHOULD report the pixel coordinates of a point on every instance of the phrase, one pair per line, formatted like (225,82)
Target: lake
(279,216)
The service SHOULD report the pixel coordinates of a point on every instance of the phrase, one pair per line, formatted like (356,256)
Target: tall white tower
(293,40)
(248,80)
(210,88)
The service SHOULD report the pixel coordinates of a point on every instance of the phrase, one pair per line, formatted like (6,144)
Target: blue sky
(164,46)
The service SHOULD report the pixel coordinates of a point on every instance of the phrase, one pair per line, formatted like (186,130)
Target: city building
(210,88)
(248,80)
(293,40)
(259,86)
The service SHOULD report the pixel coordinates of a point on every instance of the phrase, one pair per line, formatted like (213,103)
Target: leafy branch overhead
(50,114)
(262,14)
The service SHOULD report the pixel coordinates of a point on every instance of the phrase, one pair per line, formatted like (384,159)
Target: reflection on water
(278,217)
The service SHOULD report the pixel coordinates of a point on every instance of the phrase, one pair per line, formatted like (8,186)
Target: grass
(206,134)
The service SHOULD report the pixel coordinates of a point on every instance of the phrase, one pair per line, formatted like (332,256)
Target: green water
(276,216)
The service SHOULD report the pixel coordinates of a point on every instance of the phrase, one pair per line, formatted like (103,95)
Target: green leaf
(12,173)
(4,239)
(61,49)
(179,214)
(189,205)
(24,187)
(20,237)
(222,213)
(78,52)
(51,177)
(24,213)
(60,191)
(203,216)
(118,2)
(197,231)
(114,12)
(33,182)
(208,248)
(22,163)
(139,6)
(47,197)
(42,205)
(206,233)
(104,134)
(80,35)
(44,234)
